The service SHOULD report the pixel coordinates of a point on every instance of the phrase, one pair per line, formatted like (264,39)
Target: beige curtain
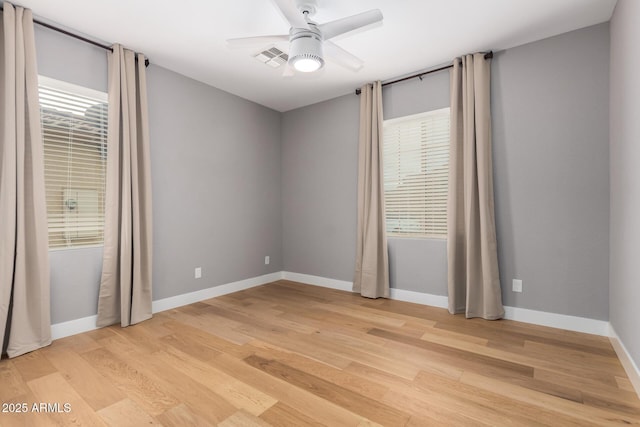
(474,283)
(125,286)
(25,322)
(372,261)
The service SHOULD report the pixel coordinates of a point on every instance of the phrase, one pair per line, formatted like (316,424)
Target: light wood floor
(287,354)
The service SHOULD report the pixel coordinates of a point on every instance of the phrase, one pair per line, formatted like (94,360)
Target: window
(74,128)
(416,167)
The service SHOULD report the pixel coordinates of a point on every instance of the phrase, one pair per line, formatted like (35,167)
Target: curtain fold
(474,282)
(125,285)
(372,261)
(25,321)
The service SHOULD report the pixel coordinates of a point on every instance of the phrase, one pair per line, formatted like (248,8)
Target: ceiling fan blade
(291,13)
(258,41)
(342,57)
(350,23)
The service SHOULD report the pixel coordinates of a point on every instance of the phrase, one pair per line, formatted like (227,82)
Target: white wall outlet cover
(198,272)
(266,260)
(517,285)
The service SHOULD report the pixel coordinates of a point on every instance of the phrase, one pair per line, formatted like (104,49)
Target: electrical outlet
(517,285)
(198,272)
(266,260)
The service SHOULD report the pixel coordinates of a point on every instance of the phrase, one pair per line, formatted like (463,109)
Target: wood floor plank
(487,405)
(243,419)
(324,411)
(155,326)
(368,316)
(588,385)
(171,382)
(14,418)
(369,408)
(598,401)
(126,413)
(33,365)
(98,334)
(92,386)
(182,415)
(268,317)
(301,343)
(212,324)
(137,386)
(55,393)
(323,319)
(145,341)
(196,334)
(584,414)
(432,410)
(283,415)
(334,343)
(235,392)
(594,343)
(190,346)
(540,359)
(500,332)
(13,385)
(625,384)
(77,343)
(465,359)
(445,337)
(600,362)
(336,376)
(287,354)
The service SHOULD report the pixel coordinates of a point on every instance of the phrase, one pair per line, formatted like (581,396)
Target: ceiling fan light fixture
(305,53)
(307,65)
(308,39)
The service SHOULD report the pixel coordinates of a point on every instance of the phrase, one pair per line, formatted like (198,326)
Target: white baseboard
(85,324)
(324,282)
(419,298)
(554,320)
(73,327)
(215,291)
(628,364)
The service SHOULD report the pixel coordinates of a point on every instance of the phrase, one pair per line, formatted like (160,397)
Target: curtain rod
(76,36)
(487,55)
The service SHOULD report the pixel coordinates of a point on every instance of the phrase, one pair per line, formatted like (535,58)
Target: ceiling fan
(309,41)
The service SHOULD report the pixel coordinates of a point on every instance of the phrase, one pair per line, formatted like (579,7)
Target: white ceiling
(188,36)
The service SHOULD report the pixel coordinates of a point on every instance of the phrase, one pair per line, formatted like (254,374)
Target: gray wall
(550,122)
(319,188)
(215,166)
(551,170)
(216,183)
(625,175)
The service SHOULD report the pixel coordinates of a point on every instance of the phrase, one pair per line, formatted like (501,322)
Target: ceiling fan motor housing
(305,44)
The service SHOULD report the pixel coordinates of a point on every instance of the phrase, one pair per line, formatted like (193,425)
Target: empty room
(318,212)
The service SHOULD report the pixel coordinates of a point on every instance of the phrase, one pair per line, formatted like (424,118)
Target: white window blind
(416,167)
(74,127)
